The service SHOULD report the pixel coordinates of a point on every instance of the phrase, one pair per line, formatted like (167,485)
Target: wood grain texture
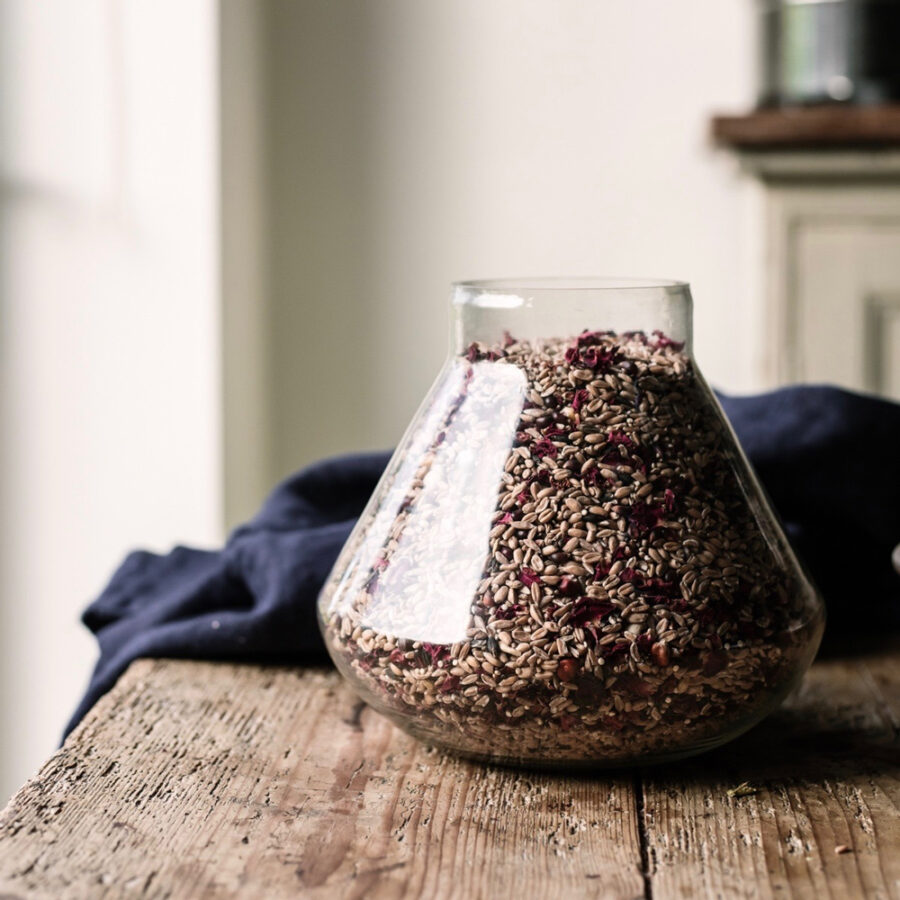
(201,780)
(826,774)
(813,126)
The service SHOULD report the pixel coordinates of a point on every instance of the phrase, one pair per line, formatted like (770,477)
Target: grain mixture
(600,590)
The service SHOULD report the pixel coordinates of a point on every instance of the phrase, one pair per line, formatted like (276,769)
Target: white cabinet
(832,268)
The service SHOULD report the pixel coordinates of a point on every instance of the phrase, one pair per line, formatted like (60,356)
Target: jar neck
(545,308)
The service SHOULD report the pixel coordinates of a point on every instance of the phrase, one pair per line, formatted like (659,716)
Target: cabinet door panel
(844,302)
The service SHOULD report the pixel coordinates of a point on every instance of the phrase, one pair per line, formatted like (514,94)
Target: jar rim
(576,283)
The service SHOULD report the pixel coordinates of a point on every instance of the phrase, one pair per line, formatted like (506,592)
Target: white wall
(411,144)
(110,349)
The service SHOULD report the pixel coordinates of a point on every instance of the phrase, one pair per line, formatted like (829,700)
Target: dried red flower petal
(615,649)
(529,577)
(659,590)
(663,341)
(643,518)
(644,641)
(602,359)
(508,612)
(544,448)
(580,398)
(619,438)
(588,354)
(437,652)
(589,609)
(591,338)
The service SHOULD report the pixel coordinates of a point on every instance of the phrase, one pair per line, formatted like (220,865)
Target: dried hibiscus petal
(544,448)
(644,641)
(588,609)
(508,612)
(643,518)
(620,438)
(663,341)
(580,398)
(610,650)
(436,652)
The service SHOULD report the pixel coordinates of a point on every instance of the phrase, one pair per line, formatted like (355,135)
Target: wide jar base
(493,744)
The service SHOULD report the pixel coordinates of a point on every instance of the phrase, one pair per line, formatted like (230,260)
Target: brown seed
(660,654)
(567,669)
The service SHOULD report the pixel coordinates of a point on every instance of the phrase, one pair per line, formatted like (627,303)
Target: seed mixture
(566,563)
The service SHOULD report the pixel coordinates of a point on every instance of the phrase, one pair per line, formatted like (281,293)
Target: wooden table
(209,780)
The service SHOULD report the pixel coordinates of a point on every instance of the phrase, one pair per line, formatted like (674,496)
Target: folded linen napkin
(829,459)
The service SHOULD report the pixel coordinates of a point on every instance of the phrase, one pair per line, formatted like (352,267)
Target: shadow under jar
(568,560)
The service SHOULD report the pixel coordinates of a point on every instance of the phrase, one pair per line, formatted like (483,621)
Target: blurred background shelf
(826,186)
(812,127)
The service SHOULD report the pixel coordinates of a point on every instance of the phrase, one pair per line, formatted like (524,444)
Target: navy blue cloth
(829,459)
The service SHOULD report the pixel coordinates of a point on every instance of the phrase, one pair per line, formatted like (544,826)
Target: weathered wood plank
(202,780)
(826,770)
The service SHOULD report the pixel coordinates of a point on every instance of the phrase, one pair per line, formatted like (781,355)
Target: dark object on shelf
(829,51)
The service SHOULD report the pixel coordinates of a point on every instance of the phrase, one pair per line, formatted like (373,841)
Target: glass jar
(568,559)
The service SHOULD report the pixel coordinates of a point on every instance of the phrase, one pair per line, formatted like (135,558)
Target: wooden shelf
(815,127)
